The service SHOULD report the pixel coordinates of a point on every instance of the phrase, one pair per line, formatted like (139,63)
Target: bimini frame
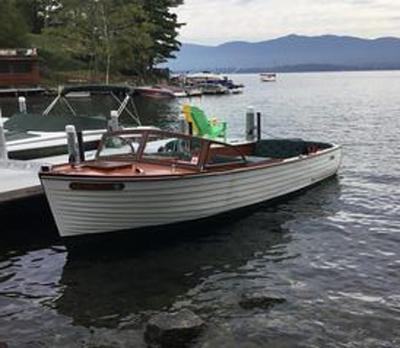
(114,91)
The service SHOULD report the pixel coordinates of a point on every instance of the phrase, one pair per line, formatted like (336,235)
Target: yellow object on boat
(187,112)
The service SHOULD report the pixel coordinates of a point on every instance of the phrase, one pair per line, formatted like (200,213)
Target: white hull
(268,79)
(42,140)
(155,202)
(48,140)
(180,94)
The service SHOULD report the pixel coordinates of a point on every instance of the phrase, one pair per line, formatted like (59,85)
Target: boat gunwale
(247,167)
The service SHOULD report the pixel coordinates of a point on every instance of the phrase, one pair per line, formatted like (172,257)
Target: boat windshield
(172,148)
(168,148)
(123,145)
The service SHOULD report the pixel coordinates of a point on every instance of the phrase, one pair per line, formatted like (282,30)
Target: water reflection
(103,289)
(157,112)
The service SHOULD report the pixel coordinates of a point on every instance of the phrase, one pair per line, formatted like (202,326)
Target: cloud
(216,21)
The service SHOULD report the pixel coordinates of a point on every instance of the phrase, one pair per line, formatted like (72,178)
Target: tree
(125,36)
(13,28)
(164,31)
(111,35)
(37,13)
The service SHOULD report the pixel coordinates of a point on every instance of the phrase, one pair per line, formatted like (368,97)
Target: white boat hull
(41,141)
(268,79)
(155,202)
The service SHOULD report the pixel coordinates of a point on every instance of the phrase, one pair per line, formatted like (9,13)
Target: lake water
(331,252)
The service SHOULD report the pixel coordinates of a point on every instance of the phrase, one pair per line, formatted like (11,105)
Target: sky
(213,22)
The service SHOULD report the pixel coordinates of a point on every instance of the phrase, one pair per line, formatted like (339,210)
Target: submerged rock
(174,329)
(259,300)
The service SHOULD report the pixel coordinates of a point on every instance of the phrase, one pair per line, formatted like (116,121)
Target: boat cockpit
(153,152)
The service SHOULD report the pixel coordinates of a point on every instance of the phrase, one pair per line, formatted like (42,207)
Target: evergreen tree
(13,29)
(164,31)
(37,13)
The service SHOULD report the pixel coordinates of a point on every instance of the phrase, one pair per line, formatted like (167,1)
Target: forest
(99,39)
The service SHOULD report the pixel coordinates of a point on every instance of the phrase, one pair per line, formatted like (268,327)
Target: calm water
(332,252)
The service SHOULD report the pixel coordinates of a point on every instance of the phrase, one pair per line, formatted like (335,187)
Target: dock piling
(183,125)
(73,148)
(259,126)
(81,146)
(113,124)
(250,120)
(22,105)
(3,145)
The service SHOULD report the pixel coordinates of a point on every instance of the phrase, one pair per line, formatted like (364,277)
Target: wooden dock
(18,180)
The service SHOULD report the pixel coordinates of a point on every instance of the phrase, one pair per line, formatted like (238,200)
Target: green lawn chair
(206,127)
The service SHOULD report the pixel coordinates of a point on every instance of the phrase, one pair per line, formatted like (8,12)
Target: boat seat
(221,159)
(280,148)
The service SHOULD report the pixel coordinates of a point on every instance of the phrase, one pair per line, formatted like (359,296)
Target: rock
(3,345)
(259,300)
(174,329)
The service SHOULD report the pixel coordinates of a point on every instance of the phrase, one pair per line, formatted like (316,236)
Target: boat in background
(179,92)
(193,92)
(147,178)
(186,92)
(236,90)
(156,92)
(30,136)
(199,80)
(268,77)
(212,88)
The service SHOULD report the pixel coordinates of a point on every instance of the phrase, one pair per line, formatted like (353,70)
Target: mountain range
(291,53)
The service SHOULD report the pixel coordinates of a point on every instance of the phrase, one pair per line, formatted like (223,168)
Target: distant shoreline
(308,68)
(292,53)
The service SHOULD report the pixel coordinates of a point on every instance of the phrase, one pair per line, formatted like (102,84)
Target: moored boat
(212,88)
(31,135)
(268,77)
(193,92)
(236,90)
(155,92)
(209,82)
(148,177)
(179,93)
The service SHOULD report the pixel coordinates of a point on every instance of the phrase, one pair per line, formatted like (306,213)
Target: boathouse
(19,68)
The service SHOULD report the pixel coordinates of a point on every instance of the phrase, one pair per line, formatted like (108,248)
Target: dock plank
(20,179)
(18,183)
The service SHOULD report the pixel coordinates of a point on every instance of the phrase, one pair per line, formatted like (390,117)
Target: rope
(270,135)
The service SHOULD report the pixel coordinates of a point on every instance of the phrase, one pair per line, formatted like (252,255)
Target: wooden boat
(148,178)
(268,77)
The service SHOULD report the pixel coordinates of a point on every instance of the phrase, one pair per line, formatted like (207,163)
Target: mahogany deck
(129,170)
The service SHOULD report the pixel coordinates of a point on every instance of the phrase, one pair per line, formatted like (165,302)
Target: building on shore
(19,69)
